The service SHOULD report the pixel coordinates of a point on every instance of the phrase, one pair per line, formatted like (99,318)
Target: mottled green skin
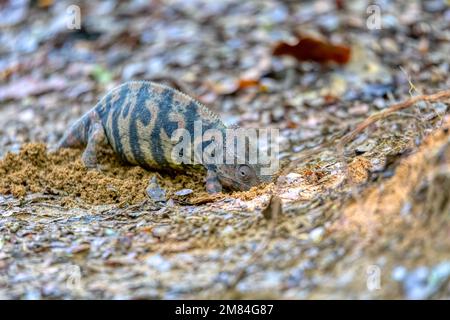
(138,118)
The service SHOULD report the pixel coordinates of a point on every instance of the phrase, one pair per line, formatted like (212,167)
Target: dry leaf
(310,49)
(247,83)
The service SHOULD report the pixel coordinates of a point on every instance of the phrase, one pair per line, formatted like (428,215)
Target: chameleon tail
(77,135)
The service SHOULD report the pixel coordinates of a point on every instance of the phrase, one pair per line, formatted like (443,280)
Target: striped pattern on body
(139,119)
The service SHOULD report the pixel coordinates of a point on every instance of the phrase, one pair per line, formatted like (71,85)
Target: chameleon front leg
(96,140)
(212,182)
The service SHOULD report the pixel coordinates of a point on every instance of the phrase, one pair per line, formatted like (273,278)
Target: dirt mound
(33,170)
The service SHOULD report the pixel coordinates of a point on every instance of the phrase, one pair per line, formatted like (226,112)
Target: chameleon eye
(244,172)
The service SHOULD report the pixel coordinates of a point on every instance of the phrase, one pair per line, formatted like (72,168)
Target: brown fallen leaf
(311,49)
(247,83)
(292,125)
(233,86)
(45,3)
(340,4)
(8,71)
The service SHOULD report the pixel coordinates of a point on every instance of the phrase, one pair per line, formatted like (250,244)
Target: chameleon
(138,118)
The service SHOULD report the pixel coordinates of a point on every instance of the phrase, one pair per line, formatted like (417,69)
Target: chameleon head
(240,177)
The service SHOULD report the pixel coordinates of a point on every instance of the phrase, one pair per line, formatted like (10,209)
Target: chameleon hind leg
(96,140)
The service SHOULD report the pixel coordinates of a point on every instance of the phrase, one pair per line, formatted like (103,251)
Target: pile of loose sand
(33,170)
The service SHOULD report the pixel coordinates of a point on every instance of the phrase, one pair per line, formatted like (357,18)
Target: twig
(445,94)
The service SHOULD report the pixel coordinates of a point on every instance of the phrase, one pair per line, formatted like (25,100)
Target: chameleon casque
(138,118)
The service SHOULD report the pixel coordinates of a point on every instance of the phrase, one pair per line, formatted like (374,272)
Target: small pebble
(155,192)
(160,231)
(365,147)
(399,273)
(228,230)
(292,177)
(159,263)
(316,235)
(415,284)
(184,192)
